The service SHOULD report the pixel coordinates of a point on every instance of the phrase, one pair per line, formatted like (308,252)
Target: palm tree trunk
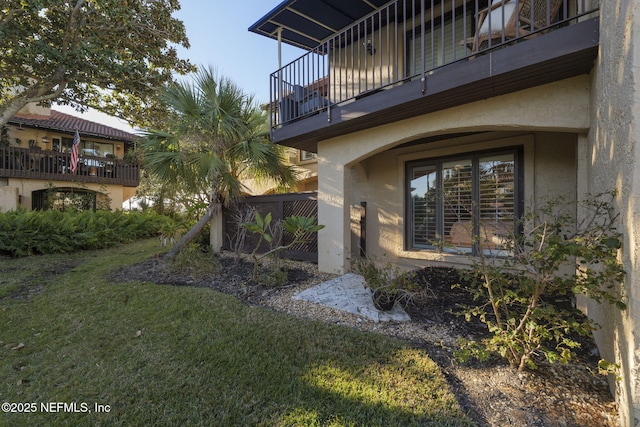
(216,237)
(194,232)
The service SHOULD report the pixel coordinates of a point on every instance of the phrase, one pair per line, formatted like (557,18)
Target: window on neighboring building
(102,149)
(61,199)
(453,203)
(67,143)
(307,155)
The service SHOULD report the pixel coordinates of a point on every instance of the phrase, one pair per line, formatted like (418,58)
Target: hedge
(25,233)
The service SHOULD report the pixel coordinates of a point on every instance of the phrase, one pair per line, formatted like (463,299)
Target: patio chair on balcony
(300,101)
(288,105)
(509,19)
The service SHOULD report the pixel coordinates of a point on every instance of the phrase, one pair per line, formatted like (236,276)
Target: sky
(219,37)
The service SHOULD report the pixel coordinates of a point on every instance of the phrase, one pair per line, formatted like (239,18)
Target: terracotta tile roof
(67,123)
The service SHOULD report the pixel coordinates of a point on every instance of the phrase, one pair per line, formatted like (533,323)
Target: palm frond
(216,132)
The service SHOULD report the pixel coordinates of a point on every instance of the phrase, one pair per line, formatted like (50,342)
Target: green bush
(555,257)
(299,228)
(25,233)
(388,282)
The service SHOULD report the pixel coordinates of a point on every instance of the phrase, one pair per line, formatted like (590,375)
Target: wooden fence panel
(280,206)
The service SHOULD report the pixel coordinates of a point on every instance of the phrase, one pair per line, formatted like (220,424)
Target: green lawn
(163,355)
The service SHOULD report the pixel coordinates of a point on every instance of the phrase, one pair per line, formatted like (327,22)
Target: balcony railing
(405,40)
(28,163)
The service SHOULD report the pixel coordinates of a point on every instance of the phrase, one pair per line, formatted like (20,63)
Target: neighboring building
(424,112)
(35,163)
(306,166)
(307,163)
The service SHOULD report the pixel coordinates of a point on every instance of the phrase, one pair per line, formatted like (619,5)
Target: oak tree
(111,55)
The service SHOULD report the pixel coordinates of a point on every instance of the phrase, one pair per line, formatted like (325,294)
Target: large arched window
(62,199)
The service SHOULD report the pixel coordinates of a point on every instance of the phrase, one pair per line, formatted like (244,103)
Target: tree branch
(10,14)
(70,34)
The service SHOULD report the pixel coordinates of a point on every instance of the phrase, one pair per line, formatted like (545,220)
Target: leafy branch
(555,257)
(298,226)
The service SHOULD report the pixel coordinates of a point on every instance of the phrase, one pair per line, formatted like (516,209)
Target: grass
(165,355)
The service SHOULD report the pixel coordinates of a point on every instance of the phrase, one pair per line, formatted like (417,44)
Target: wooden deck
(29,163)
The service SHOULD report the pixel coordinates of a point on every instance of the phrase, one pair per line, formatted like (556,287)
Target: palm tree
(216,135)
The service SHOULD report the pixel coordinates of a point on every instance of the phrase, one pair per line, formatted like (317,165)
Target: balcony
(413,57)
(47,165)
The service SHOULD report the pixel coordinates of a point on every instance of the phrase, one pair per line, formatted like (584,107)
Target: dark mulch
(41,276)
(445,300)
(231,275)
(448,298)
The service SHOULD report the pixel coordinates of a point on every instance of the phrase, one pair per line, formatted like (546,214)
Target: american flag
(74,152)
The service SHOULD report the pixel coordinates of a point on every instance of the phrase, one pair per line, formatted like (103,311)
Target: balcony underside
(567,52)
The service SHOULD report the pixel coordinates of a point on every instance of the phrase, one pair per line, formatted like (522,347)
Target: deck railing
(16,162)
(405,40)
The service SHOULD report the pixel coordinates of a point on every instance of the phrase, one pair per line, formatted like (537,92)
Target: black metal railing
(16,162)
(405,40)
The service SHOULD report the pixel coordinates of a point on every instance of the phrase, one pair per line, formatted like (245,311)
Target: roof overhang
(307,23)
(68,124)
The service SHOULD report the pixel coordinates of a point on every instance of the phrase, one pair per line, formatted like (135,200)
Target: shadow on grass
(163,355)
(275,370)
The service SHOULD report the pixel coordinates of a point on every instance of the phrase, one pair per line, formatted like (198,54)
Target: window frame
(438,162)
(307,156)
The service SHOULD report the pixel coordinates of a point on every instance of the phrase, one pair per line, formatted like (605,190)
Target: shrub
(388,283)
(237,239)
(25,233)
(299,228)
(555,257)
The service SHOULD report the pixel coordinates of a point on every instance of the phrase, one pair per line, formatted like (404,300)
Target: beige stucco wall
(24,187)
(307,175)
(306,172)
(9,197)
(550,170)
(560,107)
(612,160)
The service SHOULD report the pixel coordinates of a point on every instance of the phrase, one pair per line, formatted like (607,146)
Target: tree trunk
(9,110)
(216,237)
(38,92)
(193,233)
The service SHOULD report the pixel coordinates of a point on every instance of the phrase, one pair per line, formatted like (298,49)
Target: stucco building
(35,163)
(419,110)
(306,166)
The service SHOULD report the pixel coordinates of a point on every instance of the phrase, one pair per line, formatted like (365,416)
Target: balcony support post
(279,48)
(329,83)
(422,34)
